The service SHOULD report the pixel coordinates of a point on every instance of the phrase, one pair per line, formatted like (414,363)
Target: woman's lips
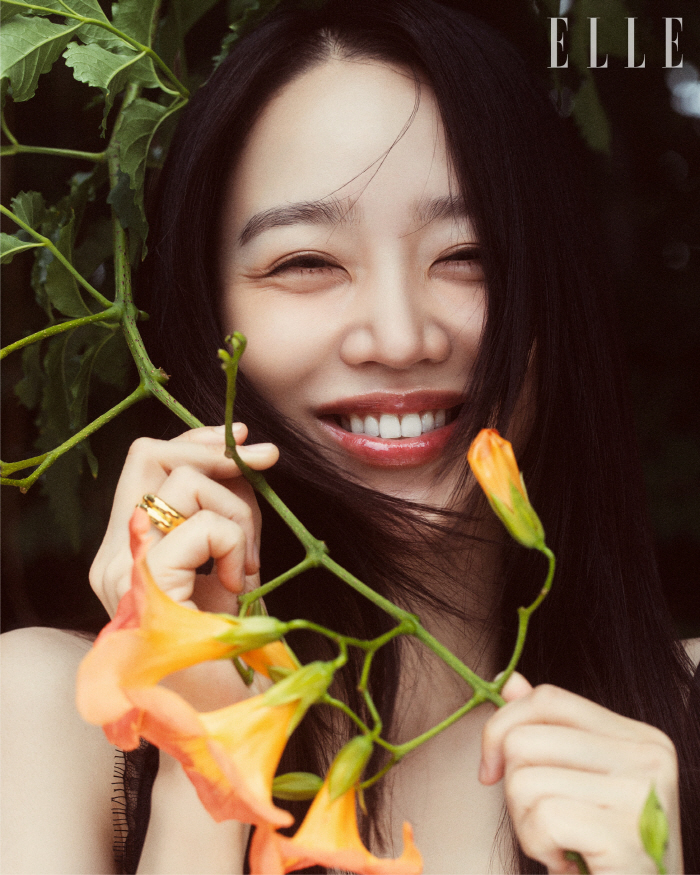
(385,417)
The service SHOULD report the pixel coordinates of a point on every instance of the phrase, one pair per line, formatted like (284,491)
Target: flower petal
(230,755)
(329,837)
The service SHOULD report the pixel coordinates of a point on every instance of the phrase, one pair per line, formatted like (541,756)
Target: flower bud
(347,767)
(296,786)
(251,633)
(493,462)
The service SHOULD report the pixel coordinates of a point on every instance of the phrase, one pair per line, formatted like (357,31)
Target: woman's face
(350,264)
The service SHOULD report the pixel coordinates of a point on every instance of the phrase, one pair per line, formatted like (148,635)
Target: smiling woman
(379,197)
(356,280)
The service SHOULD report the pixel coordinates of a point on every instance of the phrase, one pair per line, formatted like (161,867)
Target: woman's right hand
(192,474)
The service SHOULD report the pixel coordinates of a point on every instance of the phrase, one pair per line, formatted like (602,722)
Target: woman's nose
(393,322)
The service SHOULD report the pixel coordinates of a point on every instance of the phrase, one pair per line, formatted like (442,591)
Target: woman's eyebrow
(329,211)
(447,207)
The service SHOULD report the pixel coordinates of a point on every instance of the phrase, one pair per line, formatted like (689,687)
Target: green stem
(7,132)
(50,458)
(11,467)
(246,600)
(19,149)
(113,314)
(105,25)
(401,750)
(524,615)
(57,255)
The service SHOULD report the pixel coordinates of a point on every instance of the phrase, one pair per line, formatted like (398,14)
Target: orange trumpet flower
(230,755)
(329,836)
(493,462)
(152,636)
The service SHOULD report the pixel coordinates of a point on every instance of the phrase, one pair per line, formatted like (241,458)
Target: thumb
(516,687)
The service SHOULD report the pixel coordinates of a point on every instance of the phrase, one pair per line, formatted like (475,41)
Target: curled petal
(329,836)
(230,755)
(152,636)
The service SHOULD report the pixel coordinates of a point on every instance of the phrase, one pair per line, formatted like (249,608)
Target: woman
(376,195)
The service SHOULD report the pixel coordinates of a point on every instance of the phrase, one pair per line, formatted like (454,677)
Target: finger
(516,687)
(547,704)
(174,560)
(189,491)
(214,434)
(602,836)
(150,462)
(525,787)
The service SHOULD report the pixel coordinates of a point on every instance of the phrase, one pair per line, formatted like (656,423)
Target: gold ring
(163,517)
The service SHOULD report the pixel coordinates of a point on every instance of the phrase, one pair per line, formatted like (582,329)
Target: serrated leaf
(29,206)
(590,117)
(137,19)
(123,199)
(29,45)
(95,248)
(60,284)
(141,121)
(11,246)
(110,71)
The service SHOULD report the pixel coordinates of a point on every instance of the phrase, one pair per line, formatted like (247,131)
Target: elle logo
(559,59)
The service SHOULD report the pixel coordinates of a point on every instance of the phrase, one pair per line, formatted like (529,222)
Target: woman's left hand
(576,777)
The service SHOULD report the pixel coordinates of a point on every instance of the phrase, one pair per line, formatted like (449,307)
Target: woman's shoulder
(692,647)
(57,770)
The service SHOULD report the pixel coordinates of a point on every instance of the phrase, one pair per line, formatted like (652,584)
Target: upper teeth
(389,425)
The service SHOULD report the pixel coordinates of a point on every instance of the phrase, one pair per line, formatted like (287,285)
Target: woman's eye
(462,264)
(302,264)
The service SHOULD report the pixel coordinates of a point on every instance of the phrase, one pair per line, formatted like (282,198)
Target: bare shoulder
(57,771)
(692,646)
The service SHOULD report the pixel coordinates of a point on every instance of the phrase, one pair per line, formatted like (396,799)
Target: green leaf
(141,120)
(80,352)
(91,33)
(137,19)
(244,15)
(28,389)
(60,284)
(7,11)
(29,206)
(110,71)
(590,117)
(189,12)
(11,246)
(114,363)
(28,47)
(296,786)
(653,829)
(123,198)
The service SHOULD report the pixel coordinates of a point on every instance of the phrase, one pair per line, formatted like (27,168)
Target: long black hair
(605,631)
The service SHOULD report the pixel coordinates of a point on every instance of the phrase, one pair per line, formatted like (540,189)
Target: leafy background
(642,132)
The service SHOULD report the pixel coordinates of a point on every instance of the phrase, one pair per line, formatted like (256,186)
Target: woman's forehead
(336,131)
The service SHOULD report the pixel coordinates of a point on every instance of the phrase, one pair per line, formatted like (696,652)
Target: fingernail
(221,429)
(256,449)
